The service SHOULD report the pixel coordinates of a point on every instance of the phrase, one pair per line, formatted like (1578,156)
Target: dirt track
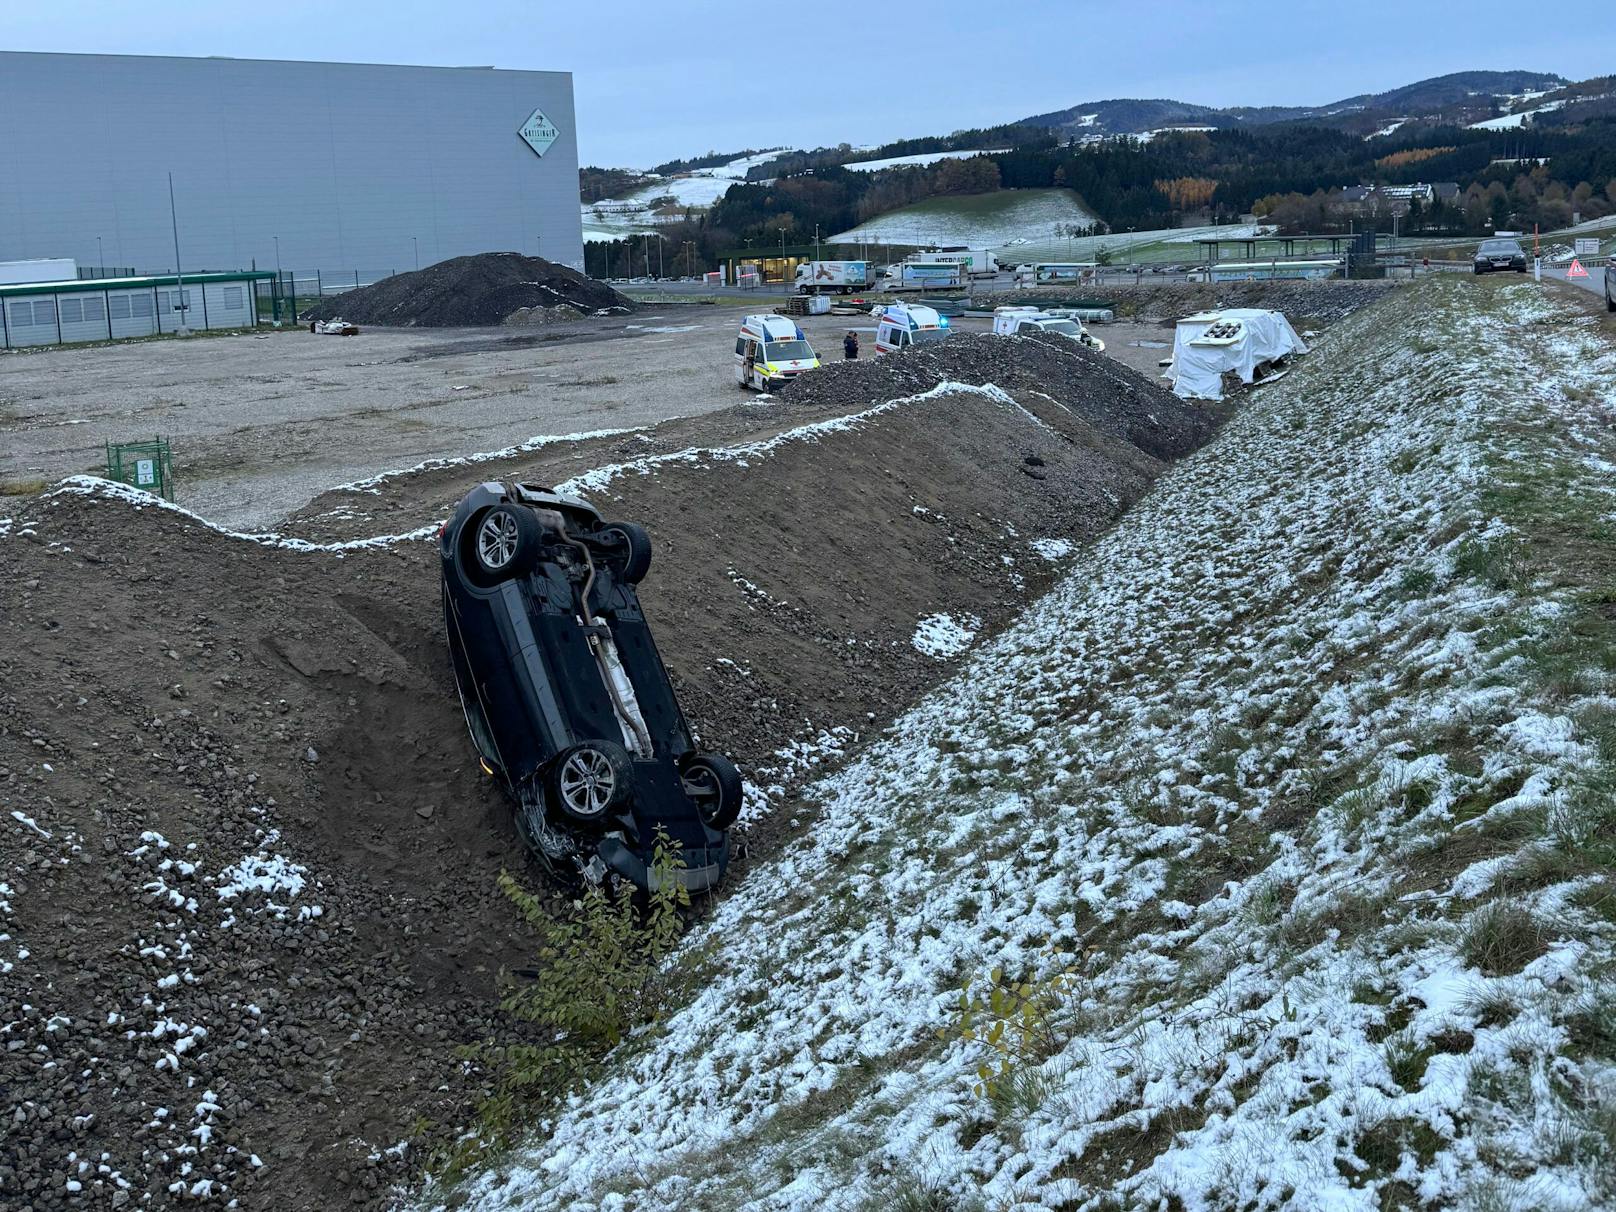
(239,701)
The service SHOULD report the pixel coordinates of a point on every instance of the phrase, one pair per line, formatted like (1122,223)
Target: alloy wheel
(587,782)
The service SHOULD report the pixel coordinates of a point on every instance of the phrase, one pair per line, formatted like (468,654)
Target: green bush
(601,972)
(1017,1026)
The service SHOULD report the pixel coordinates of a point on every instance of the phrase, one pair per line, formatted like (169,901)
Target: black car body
(572,708)
(1500,253)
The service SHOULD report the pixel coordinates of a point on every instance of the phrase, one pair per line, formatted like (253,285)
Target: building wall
(344,162)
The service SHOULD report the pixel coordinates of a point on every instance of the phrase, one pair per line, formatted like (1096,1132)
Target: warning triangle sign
(1576,270)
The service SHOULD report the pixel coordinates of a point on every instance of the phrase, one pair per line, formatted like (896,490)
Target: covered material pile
(471,291)
(1238,341)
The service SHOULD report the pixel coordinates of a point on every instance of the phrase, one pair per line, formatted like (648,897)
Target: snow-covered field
(996,220)
(1518,119)
(873,166)
(1280,812)
(613,218)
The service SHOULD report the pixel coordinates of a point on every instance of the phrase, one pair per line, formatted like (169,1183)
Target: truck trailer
(832,277)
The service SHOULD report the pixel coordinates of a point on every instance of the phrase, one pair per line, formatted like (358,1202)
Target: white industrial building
(342,169)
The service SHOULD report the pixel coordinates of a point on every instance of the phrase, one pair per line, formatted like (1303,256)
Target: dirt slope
(248,862)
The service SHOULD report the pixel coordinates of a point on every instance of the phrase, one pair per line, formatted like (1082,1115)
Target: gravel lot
(262,423)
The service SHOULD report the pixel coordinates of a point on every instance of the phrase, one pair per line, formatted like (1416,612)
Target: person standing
(850,346)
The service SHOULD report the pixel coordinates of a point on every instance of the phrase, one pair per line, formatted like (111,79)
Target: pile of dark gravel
(1113,398)
(470,292)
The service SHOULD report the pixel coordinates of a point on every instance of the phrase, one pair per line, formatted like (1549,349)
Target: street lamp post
(179,280)
(100,257)
(416,243)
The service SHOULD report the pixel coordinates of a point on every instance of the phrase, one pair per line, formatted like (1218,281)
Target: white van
(900,325)
(770,351)
(1009,321)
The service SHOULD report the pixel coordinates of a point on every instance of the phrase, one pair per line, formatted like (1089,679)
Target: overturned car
(566,698)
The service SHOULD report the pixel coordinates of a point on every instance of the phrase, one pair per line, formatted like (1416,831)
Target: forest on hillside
(1291,174)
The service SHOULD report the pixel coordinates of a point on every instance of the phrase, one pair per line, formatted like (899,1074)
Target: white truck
(978,262)
(1013,321)
(931,275)
(838,277)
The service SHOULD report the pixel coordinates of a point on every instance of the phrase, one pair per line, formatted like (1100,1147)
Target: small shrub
(600,973)
(1501,939)
(1016,1026)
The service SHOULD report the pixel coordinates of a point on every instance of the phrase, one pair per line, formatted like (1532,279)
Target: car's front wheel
(591,781)
(713,782)
(504,542)
(1610,303)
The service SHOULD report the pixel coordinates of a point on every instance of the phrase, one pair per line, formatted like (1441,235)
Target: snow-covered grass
(615,218)
(875,166)
(995,220)
(1304,774)
(1517,119)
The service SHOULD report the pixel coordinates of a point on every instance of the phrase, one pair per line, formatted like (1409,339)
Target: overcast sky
(656,79)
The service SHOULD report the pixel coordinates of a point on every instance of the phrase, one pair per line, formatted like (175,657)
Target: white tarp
(1197,370)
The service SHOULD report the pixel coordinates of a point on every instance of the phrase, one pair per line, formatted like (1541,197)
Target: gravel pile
(1109,396)
(1323,302)
(471,292)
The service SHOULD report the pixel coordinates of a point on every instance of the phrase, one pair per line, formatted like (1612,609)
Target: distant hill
(1458,97)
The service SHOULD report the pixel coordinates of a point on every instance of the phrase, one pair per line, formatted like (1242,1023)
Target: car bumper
(703,867)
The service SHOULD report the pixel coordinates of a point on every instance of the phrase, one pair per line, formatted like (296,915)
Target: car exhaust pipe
(625,704)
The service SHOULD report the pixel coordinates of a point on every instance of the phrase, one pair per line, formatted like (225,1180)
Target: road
(1594,282)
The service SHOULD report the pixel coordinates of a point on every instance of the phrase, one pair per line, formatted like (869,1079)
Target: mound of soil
(469,292)
(1107,395)
(247,902)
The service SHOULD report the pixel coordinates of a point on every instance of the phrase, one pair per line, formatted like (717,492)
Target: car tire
(1610,303)
(591,781)
(503,542)
(713,782)
(638,561)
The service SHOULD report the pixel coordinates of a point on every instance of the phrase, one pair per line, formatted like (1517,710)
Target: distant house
(1395,199)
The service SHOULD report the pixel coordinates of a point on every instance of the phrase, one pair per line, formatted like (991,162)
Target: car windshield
(1063,326)
(788,351)
(1500,247)
(926,336)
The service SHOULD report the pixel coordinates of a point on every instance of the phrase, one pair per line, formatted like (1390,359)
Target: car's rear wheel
(713,782)
(591,781)
(638,546)
(504,542)
(1610,303)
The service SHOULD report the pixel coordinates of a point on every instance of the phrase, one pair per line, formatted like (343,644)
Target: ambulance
(900,325)
(770,351)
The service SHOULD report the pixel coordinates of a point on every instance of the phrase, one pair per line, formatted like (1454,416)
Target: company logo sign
(538,132)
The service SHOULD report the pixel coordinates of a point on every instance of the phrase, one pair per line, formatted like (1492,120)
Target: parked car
(1610,284)
(1500,254)
(565,695)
